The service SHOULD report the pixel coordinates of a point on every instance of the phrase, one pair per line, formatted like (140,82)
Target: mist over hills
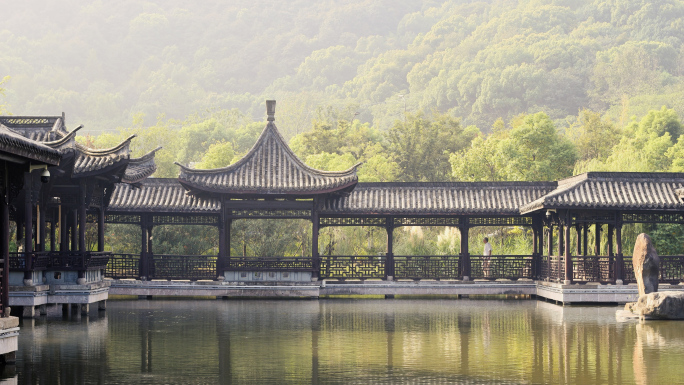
(105,62)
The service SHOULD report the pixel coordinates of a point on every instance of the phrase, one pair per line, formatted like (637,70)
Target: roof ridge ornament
(270,110)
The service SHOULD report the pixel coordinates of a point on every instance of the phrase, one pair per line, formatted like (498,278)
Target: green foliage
(421,146)
(218,155)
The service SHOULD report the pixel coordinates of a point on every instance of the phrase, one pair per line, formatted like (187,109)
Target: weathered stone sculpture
(646,265)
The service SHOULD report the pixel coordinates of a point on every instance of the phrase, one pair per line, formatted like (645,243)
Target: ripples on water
(347,342)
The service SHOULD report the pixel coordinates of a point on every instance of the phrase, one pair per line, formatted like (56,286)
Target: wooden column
(566,248)
(561,236)
(28,225)
(597,240)
(82,220)
(74,230)
(578,231)
(63,229)
(53,230)
(222,242)
(315,228)
(536,260)
(619,261)
(465,253)
(389,261)
(101,229)
(611,230)
(549,244)
(144,270)
(41,227)
(4,222)
(585,238)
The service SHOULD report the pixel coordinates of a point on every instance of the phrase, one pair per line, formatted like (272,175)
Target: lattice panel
(22,121)
(17,261)
(123,266)
(269,264)
(427,221)
(552,268)
(628,270)
(122,218)
(428,267)
(594,217)
(593,269)
(501,266)
(271,214)
(671,268)
(652,218)
(352,267)
(192,267)
(352,222)
(501,221)
(185,219)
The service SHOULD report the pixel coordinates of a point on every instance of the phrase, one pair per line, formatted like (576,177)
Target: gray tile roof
(614,190)
(484,198)
(38,128)
(159,195)
(140,168)
(270,168)
(13,143)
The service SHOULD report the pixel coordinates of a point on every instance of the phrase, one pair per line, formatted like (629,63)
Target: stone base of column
(466,278)
(619,282)
(567,282)
(102,305)
(29,312)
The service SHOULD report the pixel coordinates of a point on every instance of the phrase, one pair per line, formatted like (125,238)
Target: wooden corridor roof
(613,191)
(269,169)
(11,142)
(160,195)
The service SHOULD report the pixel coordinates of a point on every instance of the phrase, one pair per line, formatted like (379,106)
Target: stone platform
(567,294)
(32,300)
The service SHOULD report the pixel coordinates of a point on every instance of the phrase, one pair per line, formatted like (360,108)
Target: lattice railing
(17,261)
(427,267)
(75,260)
(552,268)
(192,267)
(593,269)
(343,267)
(355,221)
(269,264)
(501,266)
(123,266)
(671,269)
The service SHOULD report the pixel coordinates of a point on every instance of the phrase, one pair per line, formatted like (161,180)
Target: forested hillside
(104,62)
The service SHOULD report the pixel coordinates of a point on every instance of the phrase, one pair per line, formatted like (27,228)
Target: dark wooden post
(536,259)
(63,229)
(41,212)
(4,218)
(561,236)
(74,230)
(150,251)
(597,240)
(578,231)
(315,228)
(101,229)
(549,244)
(566,248)
(389,261)
(464,228)
(53,231)
(611,255)
(144,270)
(82,215)
(222,241)
(585,238)
(28,226)
(619,261)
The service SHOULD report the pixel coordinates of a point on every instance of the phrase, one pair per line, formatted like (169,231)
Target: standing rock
(646,265)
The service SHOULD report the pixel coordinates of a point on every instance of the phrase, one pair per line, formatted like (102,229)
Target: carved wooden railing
(501,266)
(348,266)
(40,261)
(76,260)
(671,269)
(269,264)
(593,268)
(551,268)
(192,267)
(123,266)
(427,267)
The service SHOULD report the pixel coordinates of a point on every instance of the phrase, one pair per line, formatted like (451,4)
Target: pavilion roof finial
(270,110)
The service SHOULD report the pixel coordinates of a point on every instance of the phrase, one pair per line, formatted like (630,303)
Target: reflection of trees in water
(344,341)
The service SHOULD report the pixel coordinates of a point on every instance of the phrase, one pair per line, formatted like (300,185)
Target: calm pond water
(340,341)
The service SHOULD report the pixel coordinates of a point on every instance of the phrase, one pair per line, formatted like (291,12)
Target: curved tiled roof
(270,168)
(614,190)
(140,168)
(38,128)
(489,198)
(13,143)
(159,195)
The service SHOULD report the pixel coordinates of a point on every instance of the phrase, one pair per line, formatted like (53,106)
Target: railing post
(315,227)
(566,248)
(389,261)
(222,241)
(4,218)
(28,226)
(611,256)
(465,254)
(101,229)
(143,248)
(619,261)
